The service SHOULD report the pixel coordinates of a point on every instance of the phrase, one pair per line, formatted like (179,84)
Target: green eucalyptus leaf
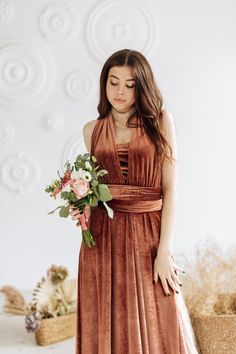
(64,212)
(93,201)
(104,192)
(51,212)
(70,196)
(49,189)
(95,192)
(94,183)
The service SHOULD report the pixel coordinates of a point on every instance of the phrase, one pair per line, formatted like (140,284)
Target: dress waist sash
(135,199)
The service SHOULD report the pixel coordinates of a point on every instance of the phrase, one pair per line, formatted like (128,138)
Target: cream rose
(80,188)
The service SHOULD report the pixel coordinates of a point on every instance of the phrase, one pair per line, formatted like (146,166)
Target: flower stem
(88,239)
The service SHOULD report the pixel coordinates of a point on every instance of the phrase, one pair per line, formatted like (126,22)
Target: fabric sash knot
(134,199)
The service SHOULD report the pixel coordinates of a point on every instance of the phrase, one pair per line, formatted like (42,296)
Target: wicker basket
(215,334)
(52,330)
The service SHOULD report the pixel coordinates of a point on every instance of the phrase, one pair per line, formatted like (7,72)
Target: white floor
(15,339)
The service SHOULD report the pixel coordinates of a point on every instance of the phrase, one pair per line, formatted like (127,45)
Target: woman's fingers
(76,217)
(174,284)
(176,278)
(165,285)
(166,270)
(174,270)
(175,266)
(75,214)
(87,212)
(169,282)
(178,268)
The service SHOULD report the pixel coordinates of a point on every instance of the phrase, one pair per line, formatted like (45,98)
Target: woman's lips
(119,100)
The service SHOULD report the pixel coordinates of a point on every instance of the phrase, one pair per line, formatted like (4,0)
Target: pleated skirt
(119,308)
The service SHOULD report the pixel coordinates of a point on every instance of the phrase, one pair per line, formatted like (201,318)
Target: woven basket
(215,334)
(52,330)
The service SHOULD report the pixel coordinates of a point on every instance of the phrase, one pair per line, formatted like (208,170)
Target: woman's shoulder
(168,119)
(87,132)
(89,126)
(166,114)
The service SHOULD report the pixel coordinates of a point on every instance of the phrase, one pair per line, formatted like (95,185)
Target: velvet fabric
(122,150)
(120,310)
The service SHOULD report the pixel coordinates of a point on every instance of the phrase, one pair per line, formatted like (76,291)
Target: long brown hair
(148,98)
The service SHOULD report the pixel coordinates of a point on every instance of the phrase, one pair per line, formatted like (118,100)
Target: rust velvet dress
(119,309)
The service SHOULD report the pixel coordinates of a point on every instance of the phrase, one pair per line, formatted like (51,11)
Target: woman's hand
(75,214)
(165,270)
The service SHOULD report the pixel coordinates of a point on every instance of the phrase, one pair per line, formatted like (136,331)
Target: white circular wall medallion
(73,148)
(6,133)
(52,122)
(19,173)
(26,73)
(114,25)
(6,10)
(58,22)
(77,85)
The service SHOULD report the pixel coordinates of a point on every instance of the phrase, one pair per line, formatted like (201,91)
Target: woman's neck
(120,118)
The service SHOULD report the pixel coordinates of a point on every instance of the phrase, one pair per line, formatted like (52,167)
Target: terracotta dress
(119,309)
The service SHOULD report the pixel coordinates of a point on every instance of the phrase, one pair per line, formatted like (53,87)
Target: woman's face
(120,88)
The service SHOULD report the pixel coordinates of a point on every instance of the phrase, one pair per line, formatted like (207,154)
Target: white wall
(50,62)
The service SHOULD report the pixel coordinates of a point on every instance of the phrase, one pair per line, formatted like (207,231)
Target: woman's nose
(121,90)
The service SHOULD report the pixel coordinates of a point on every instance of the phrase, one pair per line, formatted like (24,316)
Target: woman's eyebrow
(118,78)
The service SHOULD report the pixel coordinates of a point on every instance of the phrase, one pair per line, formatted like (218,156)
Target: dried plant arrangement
(209,290)
(209,285)
(51,313)
(15,302)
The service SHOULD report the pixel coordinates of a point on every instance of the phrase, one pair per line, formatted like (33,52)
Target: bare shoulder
(88,127)
(168,120)
(87,132)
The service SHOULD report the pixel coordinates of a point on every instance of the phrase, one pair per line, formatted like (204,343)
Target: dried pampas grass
(209,285)
(15,302)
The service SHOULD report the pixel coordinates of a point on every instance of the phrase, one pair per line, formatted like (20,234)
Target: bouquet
(80,187)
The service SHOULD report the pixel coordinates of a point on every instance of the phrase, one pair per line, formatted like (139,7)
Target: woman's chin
(121,107)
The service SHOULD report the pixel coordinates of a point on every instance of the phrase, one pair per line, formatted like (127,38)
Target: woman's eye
(115,84)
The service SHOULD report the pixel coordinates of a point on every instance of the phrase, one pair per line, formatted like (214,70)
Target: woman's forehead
(121,72)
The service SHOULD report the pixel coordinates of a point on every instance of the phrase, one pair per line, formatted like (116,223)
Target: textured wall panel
(6,133)
(113,25)
(52,122)
(19,172)
(74,146)
(6,10)
(58,22)
(26,72)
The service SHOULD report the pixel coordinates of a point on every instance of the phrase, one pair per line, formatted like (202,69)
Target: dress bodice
(135,164)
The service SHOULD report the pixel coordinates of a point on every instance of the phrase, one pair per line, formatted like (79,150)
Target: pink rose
(80,187)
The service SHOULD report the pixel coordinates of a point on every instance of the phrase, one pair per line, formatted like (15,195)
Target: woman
(129,298)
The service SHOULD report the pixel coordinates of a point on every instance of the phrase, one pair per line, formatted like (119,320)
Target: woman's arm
(169,189)
(87,133)
(164,267)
